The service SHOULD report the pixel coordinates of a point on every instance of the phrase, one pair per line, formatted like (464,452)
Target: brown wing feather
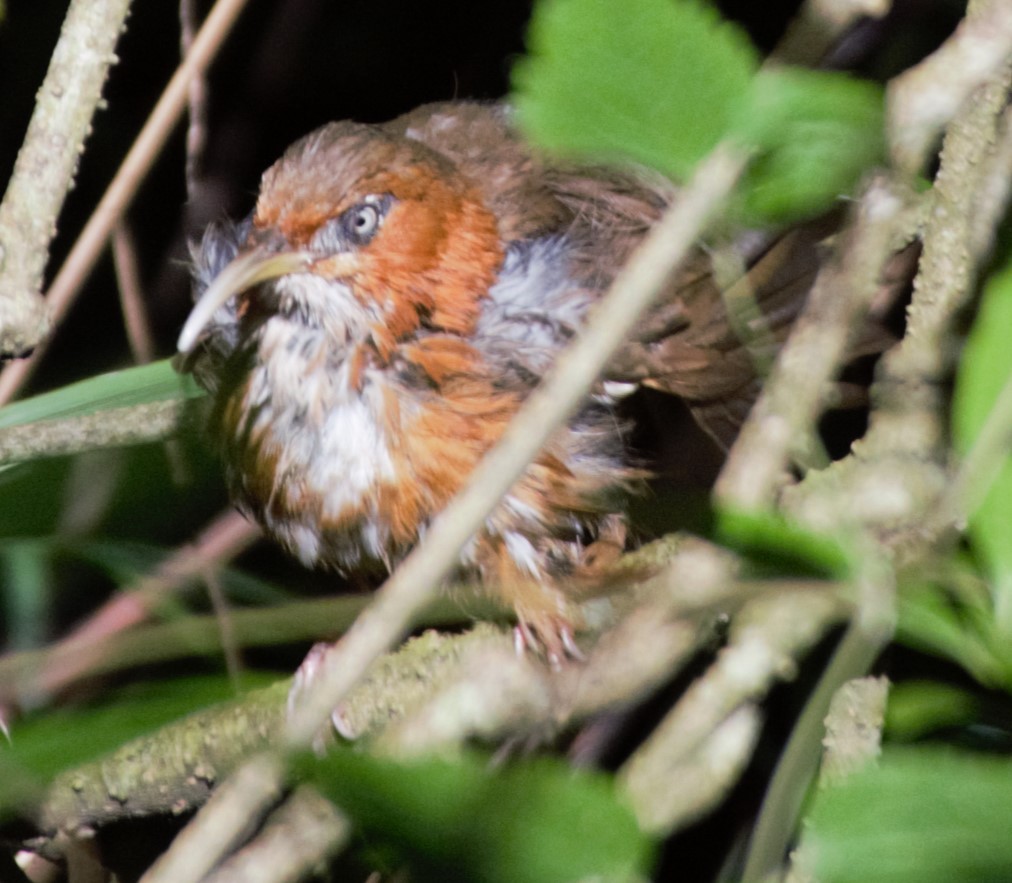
(687,344)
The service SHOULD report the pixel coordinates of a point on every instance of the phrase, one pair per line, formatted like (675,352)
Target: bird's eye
(362,221)
(353,228)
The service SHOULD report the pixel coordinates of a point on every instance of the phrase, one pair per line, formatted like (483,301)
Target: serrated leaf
(815,134)
(156,382)
(656,81)
(984,380)
(922,816)
(535,822)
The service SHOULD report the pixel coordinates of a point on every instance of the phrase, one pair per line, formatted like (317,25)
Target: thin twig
(123,187)
(223,539)
(196,103)
(47,162)
(795,394)
(226,625)
(819,24)
(295,839)
(187,637)
(128,281)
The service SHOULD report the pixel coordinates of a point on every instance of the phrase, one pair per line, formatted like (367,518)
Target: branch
(794,396)
(438,691)
(121,190)
(896,479)
(47,163)
(136,424)
(770,634)
(924,98)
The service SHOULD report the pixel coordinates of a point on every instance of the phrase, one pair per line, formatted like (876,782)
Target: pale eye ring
(354,227)
(364,221)
(361,222)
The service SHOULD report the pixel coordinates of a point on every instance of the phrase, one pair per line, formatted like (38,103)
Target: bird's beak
(246,270)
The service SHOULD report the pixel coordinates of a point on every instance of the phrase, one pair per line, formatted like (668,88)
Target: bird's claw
(306,673)
(553,641)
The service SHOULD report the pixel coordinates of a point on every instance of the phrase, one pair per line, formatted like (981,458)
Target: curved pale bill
(244,271)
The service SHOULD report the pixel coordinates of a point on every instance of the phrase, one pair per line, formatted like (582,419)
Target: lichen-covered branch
(924,98)
(896,475)
(172,770)
(136,424)
(123,187)
(47,163)
(439,691)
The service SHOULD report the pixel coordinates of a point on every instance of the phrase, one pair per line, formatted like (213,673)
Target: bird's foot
(302,682)
(551,638)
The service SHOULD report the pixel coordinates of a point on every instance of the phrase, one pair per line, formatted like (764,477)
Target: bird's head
(362,234)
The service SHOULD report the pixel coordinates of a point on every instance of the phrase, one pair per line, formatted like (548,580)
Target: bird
(368,331)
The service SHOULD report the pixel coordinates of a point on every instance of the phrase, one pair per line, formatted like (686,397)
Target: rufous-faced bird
(368,332)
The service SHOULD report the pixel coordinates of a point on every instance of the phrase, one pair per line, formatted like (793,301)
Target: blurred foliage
(776,545)
(531,822)
(920,816)
(156,382)
(665,85)
(984,394)
(921,708)
(814,134)
(662,86)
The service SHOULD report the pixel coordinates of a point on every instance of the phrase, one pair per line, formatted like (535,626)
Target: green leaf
(536,822)
(26,598)
(932,621)
(984,388)
(661,82)
(656,81)
(156,382)
(919,708)
(923,816)
(815,134)
(779,545)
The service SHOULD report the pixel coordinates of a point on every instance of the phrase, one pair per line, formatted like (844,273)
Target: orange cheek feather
(433,261)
